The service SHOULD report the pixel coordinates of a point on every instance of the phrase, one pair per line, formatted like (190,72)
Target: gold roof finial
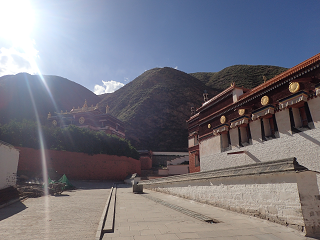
(107,109)
(85,103)
(264,79)
(232,84)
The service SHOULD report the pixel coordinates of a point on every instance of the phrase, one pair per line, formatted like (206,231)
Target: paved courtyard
(73,215)
(76,215)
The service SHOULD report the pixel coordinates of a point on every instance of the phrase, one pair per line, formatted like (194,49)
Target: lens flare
(16,20)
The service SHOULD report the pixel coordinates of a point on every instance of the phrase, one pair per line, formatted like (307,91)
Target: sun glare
(16,20)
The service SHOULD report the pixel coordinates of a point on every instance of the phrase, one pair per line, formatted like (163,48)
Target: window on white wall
(269,128)
(196,140)
(196,161)
(225,141)
(300,118)
(244,135)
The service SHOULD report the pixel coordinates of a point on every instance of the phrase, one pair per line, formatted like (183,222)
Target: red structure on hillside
(89,117)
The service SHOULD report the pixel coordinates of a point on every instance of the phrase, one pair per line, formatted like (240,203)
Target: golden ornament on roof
(264,100)
(294,87)
(209,125)
(241,111)
(223,119)
(81,120)
(85,103)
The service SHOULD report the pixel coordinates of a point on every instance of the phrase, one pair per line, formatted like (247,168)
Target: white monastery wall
(178,169)
(210,147)
(305,146)
(9,158)
(287,198)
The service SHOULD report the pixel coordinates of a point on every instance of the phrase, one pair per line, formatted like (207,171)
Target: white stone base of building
(280,191)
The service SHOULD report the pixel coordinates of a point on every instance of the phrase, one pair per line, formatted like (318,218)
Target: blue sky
(94,42)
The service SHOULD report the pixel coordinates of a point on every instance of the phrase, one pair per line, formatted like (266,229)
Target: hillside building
(89,117)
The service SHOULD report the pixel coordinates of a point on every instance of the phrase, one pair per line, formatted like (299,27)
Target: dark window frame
(273,127)
(309,121)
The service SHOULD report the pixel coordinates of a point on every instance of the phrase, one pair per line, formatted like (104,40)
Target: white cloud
(176,67)
(13,61)
(107,87)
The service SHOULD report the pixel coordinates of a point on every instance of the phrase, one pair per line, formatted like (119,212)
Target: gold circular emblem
(54,122)
(241,111)
(264,100)
(294,87)
(209,125)
(223,119)
(81,120)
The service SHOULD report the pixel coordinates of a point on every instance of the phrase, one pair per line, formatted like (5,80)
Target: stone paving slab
(139,218)
(73,215)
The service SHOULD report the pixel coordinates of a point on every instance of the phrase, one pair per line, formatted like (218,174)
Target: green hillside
(248,76)
(155,107)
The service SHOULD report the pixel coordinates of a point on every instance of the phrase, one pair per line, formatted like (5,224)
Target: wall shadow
(11,210)
(254,158)
(311,139)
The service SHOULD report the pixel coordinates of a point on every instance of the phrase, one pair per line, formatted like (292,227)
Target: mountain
(18,92)
(155,107)
(248,76)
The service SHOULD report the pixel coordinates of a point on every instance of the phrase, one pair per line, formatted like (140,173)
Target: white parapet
(9,158)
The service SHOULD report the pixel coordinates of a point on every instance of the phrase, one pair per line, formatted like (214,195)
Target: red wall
(146,162)
(192,167)
(79,166)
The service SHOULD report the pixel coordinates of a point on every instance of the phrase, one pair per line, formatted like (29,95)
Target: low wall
(178,169)
(9,157)
(79,166)
(280,191)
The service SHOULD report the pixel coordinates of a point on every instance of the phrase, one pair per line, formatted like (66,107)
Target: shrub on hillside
(71,138)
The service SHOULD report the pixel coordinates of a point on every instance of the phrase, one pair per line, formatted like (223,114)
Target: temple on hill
(89,117)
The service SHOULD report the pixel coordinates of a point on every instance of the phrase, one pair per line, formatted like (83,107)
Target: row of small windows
(300,120)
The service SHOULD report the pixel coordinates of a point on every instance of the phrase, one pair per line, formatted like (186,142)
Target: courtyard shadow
(11,210)
(62,195)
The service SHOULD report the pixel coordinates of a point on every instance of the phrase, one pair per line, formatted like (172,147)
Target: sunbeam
(43,156)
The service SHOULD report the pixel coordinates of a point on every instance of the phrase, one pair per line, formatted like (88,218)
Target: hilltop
(155,107)
(248,76)
(19,92)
